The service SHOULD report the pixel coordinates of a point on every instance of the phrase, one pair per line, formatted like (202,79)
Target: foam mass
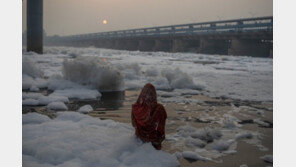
(92,71)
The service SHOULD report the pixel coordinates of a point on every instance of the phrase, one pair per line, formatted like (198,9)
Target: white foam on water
(58,106)
(245,78)
(85,109)
(74,139)
(89,70)
(78,93)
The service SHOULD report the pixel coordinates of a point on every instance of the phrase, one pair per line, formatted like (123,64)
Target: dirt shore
(119,109)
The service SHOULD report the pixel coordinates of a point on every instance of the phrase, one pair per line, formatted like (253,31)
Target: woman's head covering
(145,104)
(147,96)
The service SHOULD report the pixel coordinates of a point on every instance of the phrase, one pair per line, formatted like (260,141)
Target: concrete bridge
(249,36)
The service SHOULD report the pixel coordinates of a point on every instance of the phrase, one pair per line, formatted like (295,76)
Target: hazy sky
(66,17)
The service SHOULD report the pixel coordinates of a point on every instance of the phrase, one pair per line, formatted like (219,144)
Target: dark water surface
(108,101)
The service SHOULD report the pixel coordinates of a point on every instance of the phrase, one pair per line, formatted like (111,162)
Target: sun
(105,21)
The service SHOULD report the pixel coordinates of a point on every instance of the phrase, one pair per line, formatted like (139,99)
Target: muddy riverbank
(227,115)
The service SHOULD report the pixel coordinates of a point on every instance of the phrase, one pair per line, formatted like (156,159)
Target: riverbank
(230,117)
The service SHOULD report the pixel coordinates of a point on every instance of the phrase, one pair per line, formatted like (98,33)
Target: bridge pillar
(250,47)
(35,25)
(108,44)
(185,45)
(131,45)
(214,46)
(146,45)
(163,45)
(76,43)
(86,43)
(91,43)
(83,43)
(98,43)
(120,44)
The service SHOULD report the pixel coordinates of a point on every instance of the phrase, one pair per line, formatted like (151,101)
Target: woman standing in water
(148,117)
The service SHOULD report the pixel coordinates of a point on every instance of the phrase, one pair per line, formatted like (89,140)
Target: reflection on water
(109,101)
(112,100)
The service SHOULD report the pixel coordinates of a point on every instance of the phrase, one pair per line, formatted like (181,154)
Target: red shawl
(148,117)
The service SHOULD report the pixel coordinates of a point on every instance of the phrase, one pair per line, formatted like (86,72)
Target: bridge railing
(238,25)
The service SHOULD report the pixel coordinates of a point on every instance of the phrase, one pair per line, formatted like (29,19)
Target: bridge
(248,36)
